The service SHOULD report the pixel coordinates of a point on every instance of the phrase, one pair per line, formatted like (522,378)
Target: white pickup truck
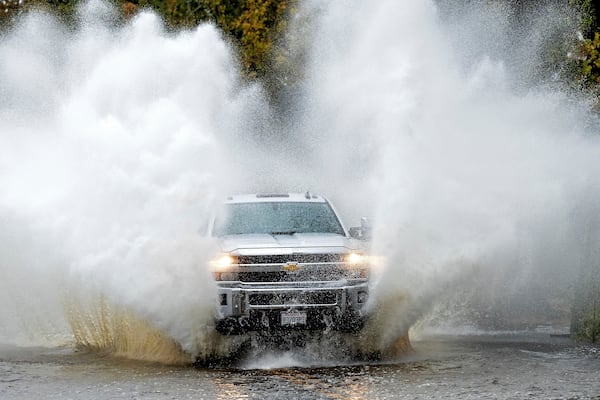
(287,262)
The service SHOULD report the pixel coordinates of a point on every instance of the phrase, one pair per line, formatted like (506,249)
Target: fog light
(226,276)
(223,299)
(362,297)
(229,276)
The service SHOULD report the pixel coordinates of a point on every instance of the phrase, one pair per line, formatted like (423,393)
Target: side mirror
(355,232)
(362,232)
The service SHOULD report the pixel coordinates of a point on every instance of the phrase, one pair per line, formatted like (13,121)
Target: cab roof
(275,197)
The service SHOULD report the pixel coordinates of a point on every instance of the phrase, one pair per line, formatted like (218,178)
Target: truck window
(278,218)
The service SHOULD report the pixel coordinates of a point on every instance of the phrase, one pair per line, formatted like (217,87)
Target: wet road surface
(517,366)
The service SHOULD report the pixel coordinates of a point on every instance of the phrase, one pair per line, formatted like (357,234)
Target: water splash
(116,142)
(479,182)
(110,162)
(100,327)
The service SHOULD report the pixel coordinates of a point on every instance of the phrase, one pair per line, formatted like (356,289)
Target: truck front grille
(271,299)
(305,275)
(285,258)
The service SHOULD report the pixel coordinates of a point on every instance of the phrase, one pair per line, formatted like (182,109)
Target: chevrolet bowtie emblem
(291,267)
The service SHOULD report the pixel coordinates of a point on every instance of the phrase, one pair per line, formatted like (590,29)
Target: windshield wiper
(283,233)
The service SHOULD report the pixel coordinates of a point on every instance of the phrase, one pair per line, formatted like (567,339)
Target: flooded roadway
(515,366)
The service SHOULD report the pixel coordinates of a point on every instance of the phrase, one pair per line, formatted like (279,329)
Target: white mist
(110,163)
(116,142)
(478,184)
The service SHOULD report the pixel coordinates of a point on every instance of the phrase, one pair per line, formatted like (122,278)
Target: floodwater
(485,366)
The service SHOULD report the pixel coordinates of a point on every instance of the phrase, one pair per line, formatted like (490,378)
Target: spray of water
(480,184)
(115,143)
(109,164)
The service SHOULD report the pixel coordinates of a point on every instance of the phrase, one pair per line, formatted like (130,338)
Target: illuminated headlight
(223,267)
(223,263)
(355,259)
(357,265)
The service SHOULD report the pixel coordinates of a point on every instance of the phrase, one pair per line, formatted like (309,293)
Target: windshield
(278,218)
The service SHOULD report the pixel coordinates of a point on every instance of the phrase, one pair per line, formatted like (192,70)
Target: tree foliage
(8,8)
(256,28)
(252,25)
(588,11)
(589,61)
(585,314)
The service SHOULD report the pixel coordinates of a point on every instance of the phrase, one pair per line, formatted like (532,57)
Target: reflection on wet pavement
(515,367)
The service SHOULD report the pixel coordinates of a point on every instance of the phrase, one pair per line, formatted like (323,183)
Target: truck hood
(262,244)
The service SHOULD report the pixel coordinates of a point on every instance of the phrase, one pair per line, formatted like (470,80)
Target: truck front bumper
(245,306)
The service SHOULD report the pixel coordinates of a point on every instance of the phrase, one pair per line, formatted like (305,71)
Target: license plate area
(291,318)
